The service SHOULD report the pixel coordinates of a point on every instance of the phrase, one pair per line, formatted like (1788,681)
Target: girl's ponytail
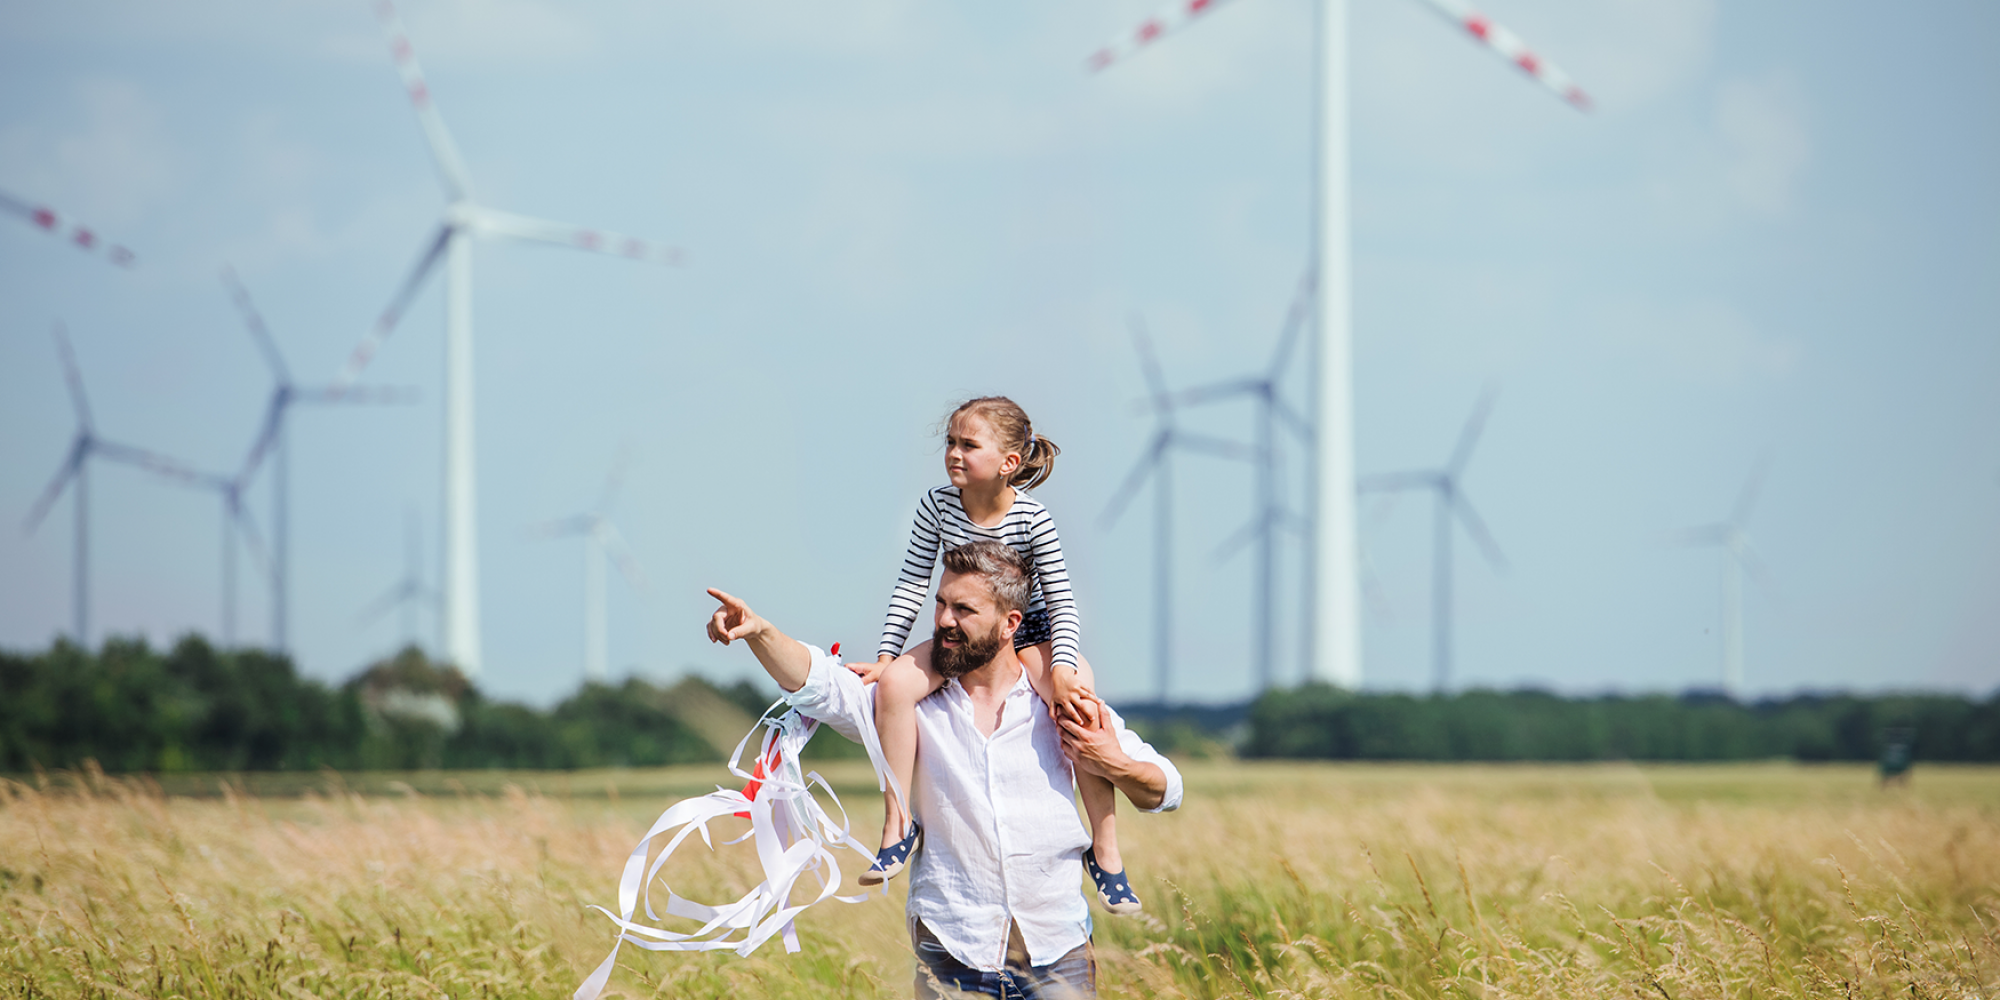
(1010,423)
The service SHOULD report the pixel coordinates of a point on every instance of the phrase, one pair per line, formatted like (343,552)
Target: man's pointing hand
(734,620)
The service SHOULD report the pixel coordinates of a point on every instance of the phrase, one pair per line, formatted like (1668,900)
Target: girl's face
(972,455)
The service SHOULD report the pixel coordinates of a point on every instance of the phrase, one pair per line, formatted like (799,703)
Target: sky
(1775,238)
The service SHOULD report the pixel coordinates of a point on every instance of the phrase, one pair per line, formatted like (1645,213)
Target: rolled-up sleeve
(835,696)
(1140,750)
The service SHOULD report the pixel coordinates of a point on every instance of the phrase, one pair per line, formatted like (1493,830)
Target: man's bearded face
(970,653)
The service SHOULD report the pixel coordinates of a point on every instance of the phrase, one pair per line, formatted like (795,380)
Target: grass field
(1273,880)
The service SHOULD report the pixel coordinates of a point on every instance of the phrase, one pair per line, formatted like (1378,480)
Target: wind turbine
(272,442)
(1156,462)
(409,593)
(602,543)
(1450,503)
(44,218)
(74,474)
(1738,556)
(464,219)
(236,519)
(1272,515)
(1334,619)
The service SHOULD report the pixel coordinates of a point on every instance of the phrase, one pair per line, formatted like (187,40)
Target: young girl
(992,456)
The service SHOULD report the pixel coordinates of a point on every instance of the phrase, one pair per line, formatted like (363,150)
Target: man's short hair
(1006,571)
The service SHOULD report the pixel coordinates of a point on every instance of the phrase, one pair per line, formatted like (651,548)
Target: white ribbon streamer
(792,834)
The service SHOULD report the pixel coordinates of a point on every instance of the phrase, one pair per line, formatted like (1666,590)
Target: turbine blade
(1152,29)
(1299,426)
(1512,48)
(44,218)
(1135,479)
(1215,446)
(79,449)
(1241,537)
(74,378)
(389,601)
(1149,364)
(274,418)
(255,321)
(386,323)
(384,394)
(1751,488)
(622,557)
(1295,321)
(1216,391)
(521,227)
(172,469)
(253,537)
(1392,482)
(1468,438)
(1476,527)
(444,152)
(563,527)
(615,479)
(1705,534)
(1754,564)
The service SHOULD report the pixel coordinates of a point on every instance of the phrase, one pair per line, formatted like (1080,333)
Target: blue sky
(1778,234)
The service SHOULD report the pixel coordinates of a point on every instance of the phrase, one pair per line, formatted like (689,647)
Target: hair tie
(1029,448)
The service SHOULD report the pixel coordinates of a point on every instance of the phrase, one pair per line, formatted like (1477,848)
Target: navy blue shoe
(1114,890)
(891,860)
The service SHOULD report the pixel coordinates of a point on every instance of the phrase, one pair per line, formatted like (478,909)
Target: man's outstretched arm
(786,659)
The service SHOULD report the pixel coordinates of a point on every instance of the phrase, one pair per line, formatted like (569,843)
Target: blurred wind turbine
(1333,622)
(235,519)
(272,442)
(1271,515)
(44,218)
(602,543)
(1738,557)
(409,594)
(74,474)
(1156,462)
(1451,502)
(464,218)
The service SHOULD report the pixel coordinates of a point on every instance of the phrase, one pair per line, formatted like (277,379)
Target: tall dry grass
(1274,880)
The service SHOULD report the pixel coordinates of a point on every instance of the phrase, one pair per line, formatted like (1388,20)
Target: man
(995,905)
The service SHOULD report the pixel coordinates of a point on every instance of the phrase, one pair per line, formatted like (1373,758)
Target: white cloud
(1708,340)
(110,169)
(1761,125)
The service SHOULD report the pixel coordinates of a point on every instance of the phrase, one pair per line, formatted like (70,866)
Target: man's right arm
(786,659)
(834,696)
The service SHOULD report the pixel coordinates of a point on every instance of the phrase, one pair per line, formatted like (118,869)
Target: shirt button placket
(1004,848)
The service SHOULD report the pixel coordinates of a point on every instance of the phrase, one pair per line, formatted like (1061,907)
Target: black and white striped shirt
(1028,528)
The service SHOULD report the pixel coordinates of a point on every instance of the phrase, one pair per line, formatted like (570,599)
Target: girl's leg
(1100,797)
(904,682)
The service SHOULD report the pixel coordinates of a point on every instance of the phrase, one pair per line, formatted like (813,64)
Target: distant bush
(1320,721)
(195,708)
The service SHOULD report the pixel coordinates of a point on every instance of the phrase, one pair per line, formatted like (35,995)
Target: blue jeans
(939,975)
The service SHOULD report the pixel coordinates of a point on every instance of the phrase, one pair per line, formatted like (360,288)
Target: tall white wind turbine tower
(1334,605)
(464,219)
(602,543)
(1732,536)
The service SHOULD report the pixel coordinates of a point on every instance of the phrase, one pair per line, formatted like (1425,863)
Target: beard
(952,662)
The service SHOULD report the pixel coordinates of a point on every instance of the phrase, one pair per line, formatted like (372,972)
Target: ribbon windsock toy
(791,832)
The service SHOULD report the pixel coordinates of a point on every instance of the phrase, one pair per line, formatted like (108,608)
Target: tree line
(134,708)
(1320,721)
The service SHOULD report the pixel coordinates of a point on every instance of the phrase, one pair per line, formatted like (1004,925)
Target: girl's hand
(869,672)
(1071,695)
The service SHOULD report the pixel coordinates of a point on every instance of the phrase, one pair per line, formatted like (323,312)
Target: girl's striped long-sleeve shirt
(1027,528)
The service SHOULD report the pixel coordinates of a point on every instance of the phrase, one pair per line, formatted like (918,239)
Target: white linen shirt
(1002,839)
